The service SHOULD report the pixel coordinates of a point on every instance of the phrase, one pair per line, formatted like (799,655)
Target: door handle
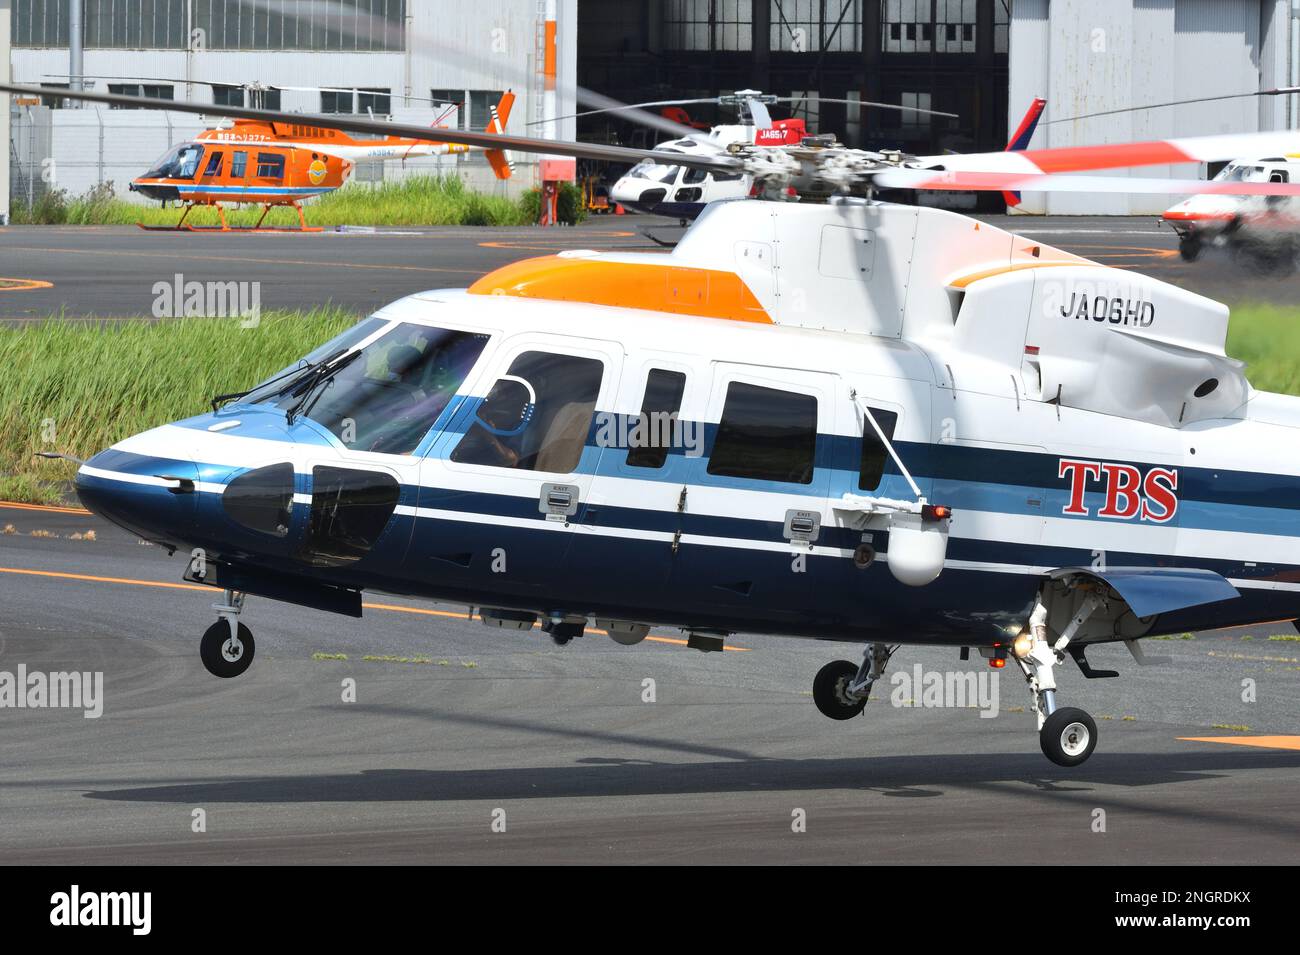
(558,501)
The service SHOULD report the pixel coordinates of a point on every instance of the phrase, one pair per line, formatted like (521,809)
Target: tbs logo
(1129,493)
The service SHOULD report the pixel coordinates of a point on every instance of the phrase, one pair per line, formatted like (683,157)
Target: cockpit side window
(537,417)
(349,510)
(214,165)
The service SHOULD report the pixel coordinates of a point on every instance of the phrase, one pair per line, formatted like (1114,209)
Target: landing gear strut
(1067,735)
(841,689)
(227,646)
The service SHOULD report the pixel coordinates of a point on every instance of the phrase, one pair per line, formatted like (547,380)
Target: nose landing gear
(227,646)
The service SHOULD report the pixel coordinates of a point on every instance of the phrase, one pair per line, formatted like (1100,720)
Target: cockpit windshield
(389,398)
(654,171)
(182,162)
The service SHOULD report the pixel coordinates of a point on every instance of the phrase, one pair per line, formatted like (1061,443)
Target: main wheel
(1068,736)
(1189,247)
(831,691)
(223,655)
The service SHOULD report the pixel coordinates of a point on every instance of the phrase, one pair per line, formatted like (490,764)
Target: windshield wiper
(309,383)
(293,374)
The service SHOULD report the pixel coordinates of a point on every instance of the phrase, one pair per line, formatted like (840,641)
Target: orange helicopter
(271,164)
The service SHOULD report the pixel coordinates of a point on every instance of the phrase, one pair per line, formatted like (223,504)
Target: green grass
(1267,338)
(415,201)
(79,387)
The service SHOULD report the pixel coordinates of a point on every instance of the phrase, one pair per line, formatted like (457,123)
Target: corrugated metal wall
(1091,56)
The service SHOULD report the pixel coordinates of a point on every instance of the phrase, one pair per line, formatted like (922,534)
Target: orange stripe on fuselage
(964,280)
(706,293)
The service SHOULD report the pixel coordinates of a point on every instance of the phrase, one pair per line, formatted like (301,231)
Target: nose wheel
(227,646)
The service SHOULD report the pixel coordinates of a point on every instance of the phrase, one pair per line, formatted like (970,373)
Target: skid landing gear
(841,689)
(1067,735)
(227,646)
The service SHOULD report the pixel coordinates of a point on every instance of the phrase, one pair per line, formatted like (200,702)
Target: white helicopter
(1239,223)
(831,420)
(1221,215)
(681,192)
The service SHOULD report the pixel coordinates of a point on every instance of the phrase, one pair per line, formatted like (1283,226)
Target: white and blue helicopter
(837,419)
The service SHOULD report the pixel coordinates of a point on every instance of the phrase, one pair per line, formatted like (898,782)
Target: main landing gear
(841,688)
(227,646)
(1066,734)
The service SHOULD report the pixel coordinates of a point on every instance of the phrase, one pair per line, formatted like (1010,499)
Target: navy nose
(151,497)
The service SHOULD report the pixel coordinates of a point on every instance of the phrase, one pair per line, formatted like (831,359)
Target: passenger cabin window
(214,165)
(537,416)
(270,166)
(871,468)
(766,435)
(656,431)
(390,397)
(261,500)
(238,163)
(349,511)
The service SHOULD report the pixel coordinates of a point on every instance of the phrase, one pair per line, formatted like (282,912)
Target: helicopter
(1257,229)
(681,192)
(1249,226)
(273,164)
(829,420)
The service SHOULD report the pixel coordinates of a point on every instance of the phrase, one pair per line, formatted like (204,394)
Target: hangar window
(537,417)
(871,466)
(261,500)
(658,425)
(766,435)
(349,510)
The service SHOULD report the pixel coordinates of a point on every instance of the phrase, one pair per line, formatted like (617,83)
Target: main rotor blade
(1281,91)
(616,109)
(1158,152)
(961,181)
(873,105)
(358,124)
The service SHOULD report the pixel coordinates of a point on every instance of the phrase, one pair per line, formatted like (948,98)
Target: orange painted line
(49,508)
(101,580)
(395,608)
(23,285)
(706,293)
(1267,742)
